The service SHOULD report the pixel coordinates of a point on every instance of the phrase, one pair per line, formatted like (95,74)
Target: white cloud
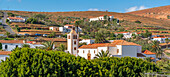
(135,8)
(132,9)
(142,7)
(93,9)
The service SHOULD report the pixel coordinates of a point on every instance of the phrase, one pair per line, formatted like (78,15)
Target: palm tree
(48,45)
(62,47)
(102,54)
(26,46)
(77,23)
(156,48)
(167,41)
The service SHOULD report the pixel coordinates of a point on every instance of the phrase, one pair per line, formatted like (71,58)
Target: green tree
(167,41)
(48,45)
(18,29)
(156,48)
(62,47)
(27,62)
(99,38)
(26,46)
(102,54)
(7,34)
(105,17)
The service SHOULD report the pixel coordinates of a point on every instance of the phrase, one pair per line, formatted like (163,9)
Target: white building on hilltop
(160,39)
(87,41)
(16,19)
(110,17)
(118,48)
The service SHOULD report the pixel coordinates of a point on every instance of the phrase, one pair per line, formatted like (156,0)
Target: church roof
(113,44)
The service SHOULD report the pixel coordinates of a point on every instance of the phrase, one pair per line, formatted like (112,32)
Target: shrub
(138,22)
(35,62)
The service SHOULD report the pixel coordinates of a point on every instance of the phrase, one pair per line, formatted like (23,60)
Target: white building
(87,41)
(160,39)
(9,45)
(4,54)
(101,18)
(125,34)
(118,48)
(16,19)
(69,28)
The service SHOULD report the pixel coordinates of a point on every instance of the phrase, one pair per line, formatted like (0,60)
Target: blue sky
(80,5)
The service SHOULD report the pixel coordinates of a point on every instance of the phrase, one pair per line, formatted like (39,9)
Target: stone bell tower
(73,42)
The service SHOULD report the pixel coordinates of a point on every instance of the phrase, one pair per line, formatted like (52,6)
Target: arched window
(75,42)
(94,51)
(77,51)
(68,36)
(74,48)
(75,37)
(83,51)
(117,50)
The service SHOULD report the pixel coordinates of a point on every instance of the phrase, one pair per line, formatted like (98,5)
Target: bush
(138,22)
(35,62)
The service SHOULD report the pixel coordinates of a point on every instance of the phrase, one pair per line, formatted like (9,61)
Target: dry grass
(87,14)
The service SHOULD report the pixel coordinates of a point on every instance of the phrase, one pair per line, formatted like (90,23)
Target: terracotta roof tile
(147,52)
(5,52)
(16,18)
(68,25)
(11,41)
(113,44)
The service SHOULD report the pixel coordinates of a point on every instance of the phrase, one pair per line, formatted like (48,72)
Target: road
(5,25)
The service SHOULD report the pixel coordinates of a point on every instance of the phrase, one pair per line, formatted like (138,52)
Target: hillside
(87,14)
(158,12)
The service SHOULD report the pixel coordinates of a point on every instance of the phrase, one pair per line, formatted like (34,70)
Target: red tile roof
(16,18)
(147,52)
(11,41)
(152,58)
(5,52)
(113,44)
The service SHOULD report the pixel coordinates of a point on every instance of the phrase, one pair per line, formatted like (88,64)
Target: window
(74,48)
(83,51)
(77,51)
(94,51)
(75,42)
(16,46)
(75,37)
(89,51)
(68,36)
(6,46)
(117,50)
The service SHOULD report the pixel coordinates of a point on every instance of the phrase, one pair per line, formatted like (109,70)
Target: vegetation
(26,46)
(48,45)
(102,54)
(167,41)
(138,22)
(7,34)
(61,47)
(156,48)
(36,62)
(164,65)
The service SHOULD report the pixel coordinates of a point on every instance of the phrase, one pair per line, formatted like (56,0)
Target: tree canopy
(36,62)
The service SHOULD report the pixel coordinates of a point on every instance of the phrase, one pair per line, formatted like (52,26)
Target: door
(89,56)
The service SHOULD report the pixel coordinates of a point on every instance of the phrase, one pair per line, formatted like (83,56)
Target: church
(117,48)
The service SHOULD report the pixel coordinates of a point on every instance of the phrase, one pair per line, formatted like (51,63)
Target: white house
(4,54)
(16,19)
(101,18)
(9,45)
(118,48)
(125,34)
(87,41)
(160,39)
